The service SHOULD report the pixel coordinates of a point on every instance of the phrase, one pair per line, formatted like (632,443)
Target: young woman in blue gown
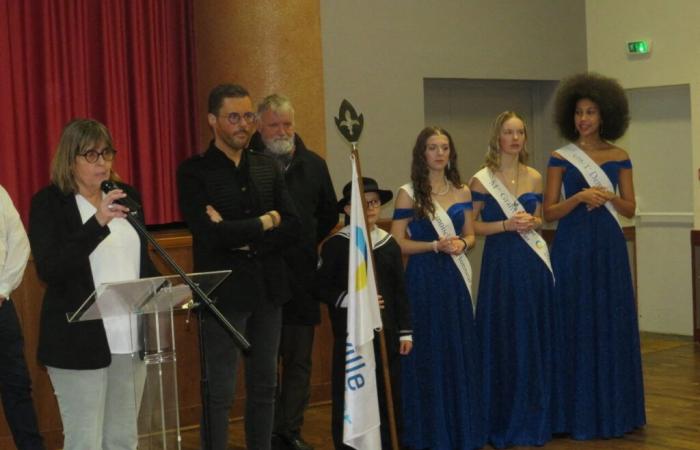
(514,304)
(440,378)
(598,389)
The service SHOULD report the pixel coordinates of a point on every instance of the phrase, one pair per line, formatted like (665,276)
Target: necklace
(444,190)
(516,176)
(515,181)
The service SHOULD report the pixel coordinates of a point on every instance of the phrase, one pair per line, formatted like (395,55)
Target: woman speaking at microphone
(80,238)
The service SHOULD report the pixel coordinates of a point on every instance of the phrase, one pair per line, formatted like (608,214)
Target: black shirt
(241,195)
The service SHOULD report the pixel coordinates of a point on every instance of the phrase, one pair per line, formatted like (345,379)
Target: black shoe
(278,443)
(295,442)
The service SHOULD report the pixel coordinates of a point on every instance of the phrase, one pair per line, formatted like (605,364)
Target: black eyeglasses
(374,203)
(92,155)
(235,118)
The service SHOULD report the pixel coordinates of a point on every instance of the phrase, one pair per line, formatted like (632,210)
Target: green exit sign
(639,47)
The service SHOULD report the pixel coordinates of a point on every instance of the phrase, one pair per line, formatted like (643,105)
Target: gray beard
(280,146)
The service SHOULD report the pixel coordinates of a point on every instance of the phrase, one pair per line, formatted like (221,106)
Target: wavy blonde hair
(493,155)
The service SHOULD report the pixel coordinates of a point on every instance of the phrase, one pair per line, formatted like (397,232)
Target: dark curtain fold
(126,63)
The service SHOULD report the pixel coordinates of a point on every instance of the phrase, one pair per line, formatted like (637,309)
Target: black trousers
(15,385)
(294,383)
(262,329)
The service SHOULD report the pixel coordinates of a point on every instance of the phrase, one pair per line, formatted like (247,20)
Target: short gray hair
(275,103)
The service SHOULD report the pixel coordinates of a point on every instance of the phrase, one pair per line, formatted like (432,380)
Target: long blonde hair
(493,155)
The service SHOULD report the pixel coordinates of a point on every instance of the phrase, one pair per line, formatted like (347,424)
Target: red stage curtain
(126,63)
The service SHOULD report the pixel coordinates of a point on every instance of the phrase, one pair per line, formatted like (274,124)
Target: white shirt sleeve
(14,246)
(342,301)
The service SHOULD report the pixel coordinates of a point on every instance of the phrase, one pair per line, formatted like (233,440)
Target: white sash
(510,205)
(444,228)
(593,174)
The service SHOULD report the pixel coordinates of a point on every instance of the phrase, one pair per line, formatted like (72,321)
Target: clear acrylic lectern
(148,305)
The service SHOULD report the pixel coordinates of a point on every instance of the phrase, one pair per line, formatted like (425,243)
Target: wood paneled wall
(178,244)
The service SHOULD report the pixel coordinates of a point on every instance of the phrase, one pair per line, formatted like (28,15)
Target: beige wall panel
(672,27)
(377,54)
(663,141)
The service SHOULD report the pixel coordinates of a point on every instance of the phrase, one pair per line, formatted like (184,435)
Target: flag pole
(391,414)
(350,125)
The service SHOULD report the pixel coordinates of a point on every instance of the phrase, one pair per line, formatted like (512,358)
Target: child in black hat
(332,284)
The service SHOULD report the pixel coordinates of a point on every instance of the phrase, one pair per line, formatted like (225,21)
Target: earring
(449,165)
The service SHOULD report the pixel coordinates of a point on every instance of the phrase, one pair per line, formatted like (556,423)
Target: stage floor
(672,385)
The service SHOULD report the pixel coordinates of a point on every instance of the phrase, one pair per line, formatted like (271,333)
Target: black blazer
(258,275)
(61,245)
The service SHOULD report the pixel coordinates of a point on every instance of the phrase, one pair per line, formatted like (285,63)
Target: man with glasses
(241,217)
(310,186)
(15,384)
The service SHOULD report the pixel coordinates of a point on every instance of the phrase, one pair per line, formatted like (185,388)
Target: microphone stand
(238,338)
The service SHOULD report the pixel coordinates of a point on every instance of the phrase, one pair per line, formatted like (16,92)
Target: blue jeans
(262,328)
(15,384)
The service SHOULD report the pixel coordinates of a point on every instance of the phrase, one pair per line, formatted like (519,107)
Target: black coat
(258,275)
(310,187)
(391,284)
(61,245)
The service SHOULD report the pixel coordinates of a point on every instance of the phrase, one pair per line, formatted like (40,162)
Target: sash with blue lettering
(444,228)
(592,173)
(510,205)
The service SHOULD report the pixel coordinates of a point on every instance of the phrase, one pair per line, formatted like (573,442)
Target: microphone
(130,203)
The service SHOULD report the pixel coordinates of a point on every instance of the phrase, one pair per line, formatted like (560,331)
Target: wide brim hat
(370,185)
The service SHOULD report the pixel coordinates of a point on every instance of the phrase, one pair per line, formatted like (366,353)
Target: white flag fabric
(361,416)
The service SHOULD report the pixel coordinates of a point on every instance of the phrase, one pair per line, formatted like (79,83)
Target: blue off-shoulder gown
(514,325)
(598,387)
(440,377)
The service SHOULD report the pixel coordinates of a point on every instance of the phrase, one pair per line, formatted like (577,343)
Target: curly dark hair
(423,203)
(604,92)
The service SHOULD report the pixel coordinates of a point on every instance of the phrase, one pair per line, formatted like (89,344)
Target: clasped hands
(269,220)
(452,245)
(521,222)
(595,196)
